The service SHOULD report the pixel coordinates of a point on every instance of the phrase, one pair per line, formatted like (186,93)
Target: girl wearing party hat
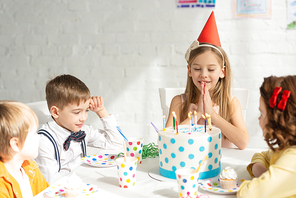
(208,89)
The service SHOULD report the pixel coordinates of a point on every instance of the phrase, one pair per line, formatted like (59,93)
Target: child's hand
(258,169)
(193,107)
(207,101)
(97,105)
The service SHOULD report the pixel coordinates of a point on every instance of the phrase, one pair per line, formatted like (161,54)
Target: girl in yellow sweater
(275,170)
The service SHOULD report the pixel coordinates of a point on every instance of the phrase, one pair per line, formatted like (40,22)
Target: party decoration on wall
(251,8)
(291,14)
(196,3)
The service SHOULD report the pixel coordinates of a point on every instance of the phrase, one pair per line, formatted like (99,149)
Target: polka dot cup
(127,171)
(134,148)
(187,182)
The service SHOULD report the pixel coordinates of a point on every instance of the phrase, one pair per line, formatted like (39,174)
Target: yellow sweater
(278,181)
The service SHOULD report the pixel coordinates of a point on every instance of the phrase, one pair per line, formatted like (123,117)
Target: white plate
(100,160)
(58,190)
(213,186)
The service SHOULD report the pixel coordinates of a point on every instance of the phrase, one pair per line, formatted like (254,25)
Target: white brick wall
(125,50)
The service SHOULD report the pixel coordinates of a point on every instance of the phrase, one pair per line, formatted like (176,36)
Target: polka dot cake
(187,149)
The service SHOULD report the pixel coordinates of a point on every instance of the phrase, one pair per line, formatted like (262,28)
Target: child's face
(73,116)
(263,115)
(31,145)
(205,68)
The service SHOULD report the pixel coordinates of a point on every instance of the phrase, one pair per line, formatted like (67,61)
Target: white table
(106,178)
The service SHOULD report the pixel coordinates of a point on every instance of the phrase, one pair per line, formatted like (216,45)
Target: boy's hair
(281,125)
(65,89)
(16,120)
(221,91)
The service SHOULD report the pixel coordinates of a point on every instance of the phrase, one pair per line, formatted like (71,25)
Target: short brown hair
(16,120)
(65,89)
(281,125)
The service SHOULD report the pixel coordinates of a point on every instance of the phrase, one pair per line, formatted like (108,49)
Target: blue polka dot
(219,163)
(140,151)
(210,167)
(131,168)
(202,148)
(181,148)
(216,160)
(174,168)
(160,151)
(161,164)
(199,162)
(127,149)
(216,146)
(182,187)
(193,186)
(190,156)
(173,155)
(210,139)
(182,164)
(173,141)
(159,138)
(185,181)
(190,141)
(210,154)
(166,160)
(125,173)
(219,151)
(219,135)
(142,145)
(165,146)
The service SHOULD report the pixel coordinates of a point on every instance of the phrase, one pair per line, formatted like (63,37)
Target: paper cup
(127,171)
(134,148)
(187,182)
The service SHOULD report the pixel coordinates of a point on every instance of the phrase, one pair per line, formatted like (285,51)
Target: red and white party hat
(209,33)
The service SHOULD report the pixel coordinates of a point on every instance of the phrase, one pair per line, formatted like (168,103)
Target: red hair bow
(283,102)
(272,100)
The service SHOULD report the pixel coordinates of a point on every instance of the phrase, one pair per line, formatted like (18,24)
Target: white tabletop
(147,183)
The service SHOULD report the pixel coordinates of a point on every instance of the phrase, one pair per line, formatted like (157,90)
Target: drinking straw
(156,129)
(124,151)
(201,163)
(119,130)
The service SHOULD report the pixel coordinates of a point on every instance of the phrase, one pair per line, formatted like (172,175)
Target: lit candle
(209,121)
(174,120)
(189,116)
(164,123)
(192,123)
(177,127)
(195,119)
(204,117)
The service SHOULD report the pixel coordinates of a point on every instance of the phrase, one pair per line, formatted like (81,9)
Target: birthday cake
(187,150)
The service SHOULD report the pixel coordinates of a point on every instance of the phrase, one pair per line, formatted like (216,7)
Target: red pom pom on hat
(209,33)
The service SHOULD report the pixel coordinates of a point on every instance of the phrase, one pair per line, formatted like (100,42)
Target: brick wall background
(126,50)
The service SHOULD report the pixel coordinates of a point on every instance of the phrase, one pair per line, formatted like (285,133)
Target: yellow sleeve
(278,181)
(263,158)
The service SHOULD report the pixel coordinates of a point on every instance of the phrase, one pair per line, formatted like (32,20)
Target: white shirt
(109,138)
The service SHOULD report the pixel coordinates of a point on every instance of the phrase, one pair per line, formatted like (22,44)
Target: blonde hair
(16,120)
(66,89)
(220,94)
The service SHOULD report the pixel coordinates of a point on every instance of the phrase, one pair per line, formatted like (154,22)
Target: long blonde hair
(220,94)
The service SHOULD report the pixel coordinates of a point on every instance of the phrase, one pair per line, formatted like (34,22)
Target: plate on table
(100,160)
(59,191)
(213,186)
